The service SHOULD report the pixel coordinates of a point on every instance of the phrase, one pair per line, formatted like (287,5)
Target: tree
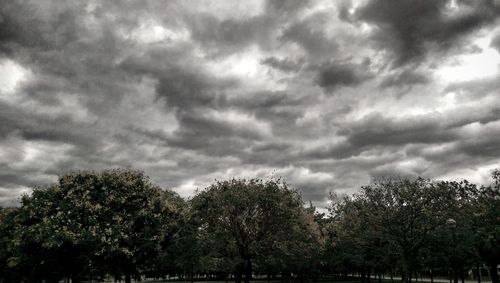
(398,218)
(358,243)
(413,209)
(7,236)
(252,221)
(453,241)
(95,222)
(486,221)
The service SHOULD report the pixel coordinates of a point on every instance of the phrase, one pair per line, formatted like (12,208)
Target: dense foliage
(89,224)
(417,227)
(249,224)
(116,223)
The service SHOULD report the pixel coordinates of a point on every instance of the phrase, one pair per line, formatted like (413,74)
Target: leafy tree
(95,222)
(7,237)
(252,221)
(358,243)
(394,220)
(411,211)
(453,242)
(486,221)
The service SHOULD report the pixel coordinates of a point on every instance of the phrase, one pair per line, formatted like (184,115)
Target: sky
(329,95)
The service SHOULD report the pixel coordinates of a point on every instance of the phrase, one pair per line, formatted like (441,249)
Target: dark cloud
(193,91)
(18,31)
(409,27)
(30,126)
(310,36)
(285,7)
(486,146)
(284,65)
(430,128)
(377,130)
(184,89)
(406,78)
(223,36)
(495,43)
(266,100)
(475,89)
(333,75)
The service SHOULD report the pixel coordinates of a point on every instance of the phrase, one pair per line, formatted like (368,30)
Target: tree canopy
(261,223)
(91,225)
(113,221)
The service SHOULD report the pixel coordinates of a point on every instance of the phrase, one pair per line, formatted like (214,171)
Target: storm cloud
(328,95)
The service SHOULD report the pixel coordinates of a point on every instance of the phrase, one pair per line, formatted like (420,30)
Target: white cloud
(240,120)
(149,32)
(11,75)
(225,9)
(467,67)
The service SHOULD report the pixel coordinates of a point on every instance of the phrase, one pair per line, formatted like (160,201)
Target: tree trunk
(288,276)
(494,273)
(238,273)
(432,275)
(75,278)
(405,270)
(478,268)
(248,270)
(127,278)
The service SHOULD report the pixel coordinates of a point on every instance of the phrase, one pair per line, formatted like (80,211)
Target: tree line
(117,223)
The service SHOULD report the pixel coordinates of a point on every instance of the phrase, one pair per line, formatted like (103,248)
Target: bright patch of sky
(466,67)
(11,75)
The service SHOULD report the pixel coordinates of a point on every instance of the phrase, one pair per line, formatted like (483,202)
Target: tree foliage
(405,223)
(262,223)
(90,225)
(113,222)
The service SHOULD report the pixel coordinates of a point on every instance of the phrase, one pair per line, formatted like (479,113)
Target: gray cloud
(409,27)
(496,42)
(475,89)
(405,78)
(333,75)
(378,131)
(310,37)
(326,96)
(223,36)
(284,65)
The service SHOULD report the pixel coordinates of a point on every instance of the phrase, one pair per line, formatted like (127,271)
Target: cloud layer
(327,94)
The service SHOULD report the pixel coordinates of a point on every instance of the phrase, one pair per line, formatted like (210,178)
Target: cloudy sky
(327,94)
